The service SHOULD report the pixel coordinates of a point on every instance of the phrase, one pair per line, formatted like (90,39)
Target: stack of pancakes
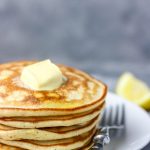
(62,119)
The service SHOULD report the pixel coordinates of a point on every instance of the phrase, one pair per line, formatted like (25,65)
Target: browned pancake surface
(79,90)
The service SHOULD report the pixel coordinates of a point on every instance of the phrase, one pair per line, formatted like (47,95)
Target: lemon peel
(133,89)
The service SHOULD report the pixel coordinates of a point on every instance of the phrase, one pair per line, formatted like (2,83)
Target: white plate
(137,126)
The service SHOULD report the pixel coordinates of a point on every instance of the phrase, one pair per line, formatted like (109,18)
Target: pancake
(9,133)
(79,94)
(7,147)
(64,144)
(50,121)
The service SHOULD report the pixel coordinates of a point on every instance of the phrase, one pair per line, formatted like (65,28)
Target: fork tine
(110,116)
(116,120)
(103,119)
(123,115)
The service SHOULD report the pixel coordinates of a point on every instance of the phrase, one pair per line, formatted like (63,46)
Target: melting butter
(42,75)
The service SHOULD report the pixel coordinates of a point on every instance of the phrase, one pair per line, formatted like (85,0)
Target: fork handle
(101,147)
(97,146)
(101,139)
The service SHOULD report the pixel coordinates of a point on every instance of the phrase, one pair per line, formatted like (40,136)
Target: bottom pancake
(63,144)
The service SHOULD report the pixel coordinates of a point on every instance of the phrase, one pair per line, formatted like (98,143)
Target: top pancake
(78,94)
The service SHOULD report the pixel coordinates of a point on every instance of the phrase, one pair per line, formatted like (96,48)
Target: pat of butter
(43,75)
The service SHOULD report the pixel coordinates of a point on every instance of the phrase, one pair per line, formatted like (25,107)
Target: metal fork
(112,125)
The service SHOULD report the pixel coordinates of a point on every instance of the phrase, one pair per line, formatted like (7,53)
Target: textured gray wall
(102,37)
(99,36)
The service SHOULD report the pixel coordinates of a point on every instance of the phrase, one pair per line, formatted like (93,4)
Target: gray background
(102,37)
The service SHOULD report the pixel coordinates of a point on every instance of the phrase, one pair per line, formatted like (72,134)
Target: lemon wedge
(133,89)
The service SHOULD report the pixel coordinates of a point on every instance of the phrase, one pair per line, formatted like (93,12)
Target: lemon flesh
(133,89)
